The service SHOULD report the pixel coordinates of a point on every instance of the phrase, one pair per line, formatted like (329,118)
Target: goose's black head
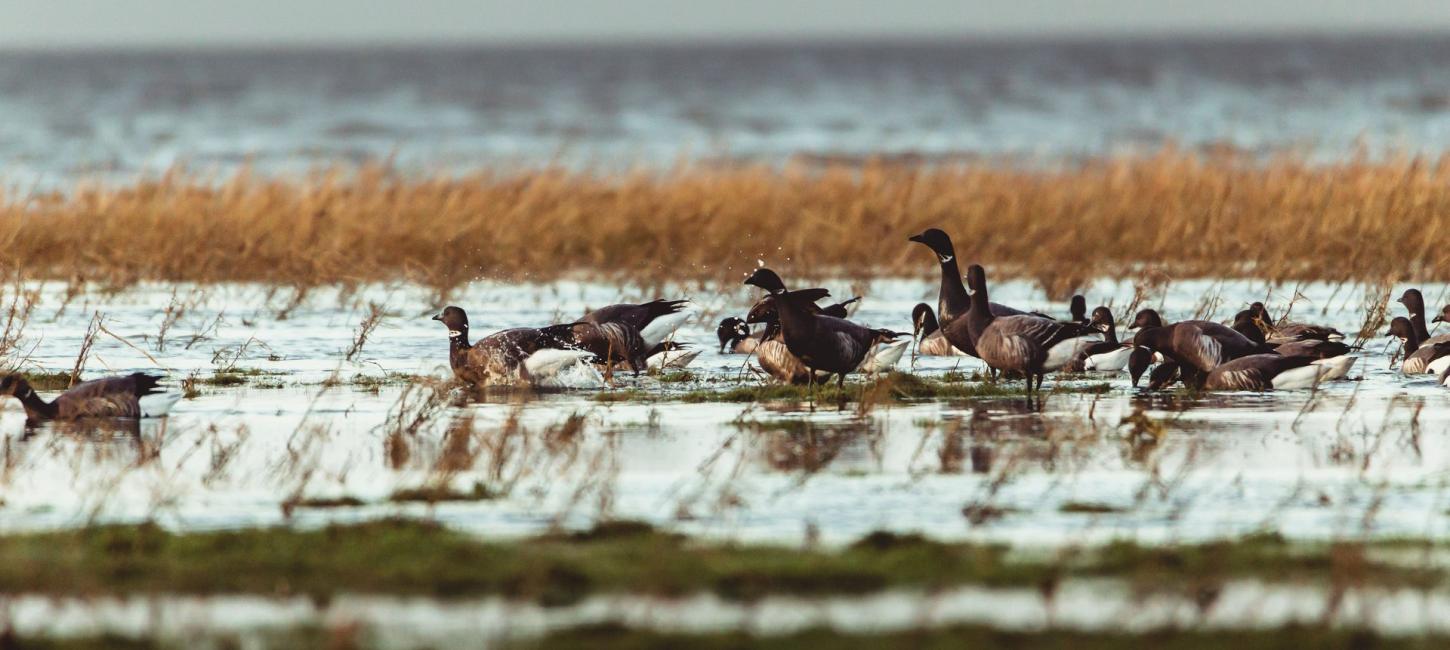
(455,319)
(938,242)
(1078,308)
(766,279)
(1401,328)
(731,330)
(1413,300)
(1443,316)
(1146,318)
(1102,319)
(923,320)
(1259,311)
(15,385)
(976,279)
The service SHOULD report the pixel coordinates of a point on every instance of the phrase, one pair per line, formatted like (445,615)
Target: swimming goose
(535,356)
(655,320)
(1414,303)
(952,300)
(932,343)
(1197,345)
(137,395)
(1332,355)
(1290,332)
(1108,355)
(1420,357)
(825,343)
(1259,372)
(1078,310)
(1019,343)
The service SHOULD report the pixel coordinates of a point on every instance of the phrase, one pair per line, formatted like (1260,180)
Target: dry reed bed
(1186,214)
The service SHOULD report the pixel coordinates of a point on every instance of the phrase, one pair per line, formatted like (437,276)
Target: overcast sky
(69,23)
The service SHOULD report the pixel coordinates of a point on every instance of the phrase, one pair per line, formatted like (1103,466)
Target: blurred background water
(69,115)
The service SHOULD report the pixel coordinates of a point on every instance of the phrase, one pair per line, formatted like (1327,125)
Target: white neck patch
(453,334)
(945,258)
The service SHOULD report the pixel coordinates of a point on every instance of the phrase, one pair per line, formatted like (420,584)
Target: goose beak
(1438,319)
(915,238)
(438,317)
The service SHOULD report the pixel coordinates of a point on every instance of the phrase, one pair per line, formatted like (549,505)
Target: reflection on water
(305,430)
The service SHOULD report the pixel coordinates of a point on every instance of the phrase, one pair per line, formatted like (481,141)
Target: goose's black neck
(796,321)
(1417,319)
(35,407)
(979,316)
(953,300)
(1413,338)
(458,347)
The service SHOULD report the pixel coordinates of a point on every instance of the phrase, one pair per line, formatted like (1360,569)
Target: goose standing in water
(925,330)
(1420,357)
(1019,343)
(1197,346)
(137,395)
(1109,355)
(535,356)
(952,300)
(825,343)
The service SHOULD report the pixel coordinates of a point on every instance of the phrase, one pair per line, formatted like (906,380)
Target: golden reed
(1185,214)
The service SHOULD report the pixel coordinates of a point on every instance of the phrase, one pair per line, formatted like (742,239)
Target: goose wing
(111,397)
(637,316)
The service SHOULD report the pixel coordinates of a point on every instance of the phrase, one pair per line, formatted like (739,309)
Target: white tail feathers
(1059,355)
(1302,377)
(883,357)
(157,405)
(1108,361)
(1336,367)
(661,328)
(673,358)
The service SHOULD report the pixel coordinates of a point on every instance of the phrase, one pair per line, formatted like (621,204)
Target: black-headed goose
(534,356)
(772,284)
(1414,303)
(952,300)
(925,330)
(1332,355)
(1108,355)
(826,343)
(735,336)
(137,395)
(1077,310)
(1022,343)
(1165,374)
(1420,357)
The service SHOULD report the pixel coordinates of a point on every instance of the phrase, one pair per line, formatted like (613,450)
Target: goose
(1269,371)
(772,284)
(952,300)
(137,395)
(1020,343)
(1414,303)
(1332,355)
(1420,357)
(825,343)
(772,354)
(655,321)
(1290,332)
(1198,346)
(1109,355)
(932,342)
(1078,310)
(734,334)
(535,356)
(612,343)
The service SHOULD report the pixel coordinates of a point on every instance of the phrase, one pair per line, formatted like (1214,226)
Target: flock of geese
(797,340)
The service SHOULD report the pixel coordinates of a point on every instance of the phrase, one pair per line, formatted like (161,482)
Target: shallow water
(1359,458)
(1087,605)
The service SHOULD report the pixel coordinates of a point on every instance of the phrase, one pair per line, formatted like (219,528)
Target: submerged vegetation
(1188,214)
(412,557)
